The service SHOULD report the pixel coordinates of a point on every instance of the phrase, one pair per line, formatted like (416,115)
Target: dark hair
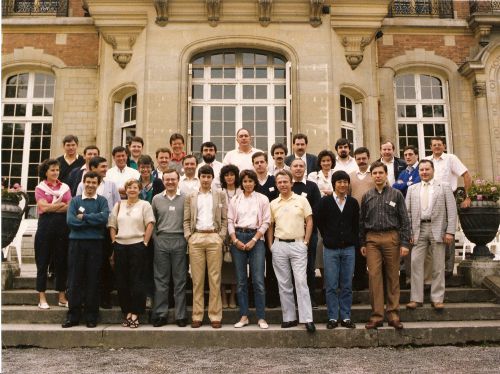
(298,158)
(426,161)
(89,147)
(118,149)
(342,141)
(208,145)
(136,139)
(226,169)
(377,164)
(95,161)
(92,174)
(176,136)
(360,150)
(145,160)
(299,136)
(412,147)
(189,156)
(205,169)
(324,153)
(439,138)
(69,139)
(277,146)
(169,171)
(163,150)
(340,175)
(387,141)
(286,173)
(45,166)
(250,174)
(259,154)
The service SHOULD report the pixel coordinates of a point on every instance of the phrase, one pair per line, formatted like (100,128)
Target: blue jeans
(339,268)
(257,260)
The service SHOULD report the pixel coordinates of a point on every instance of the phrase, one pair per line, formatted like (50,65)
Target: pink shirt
(262,211)
(40,194)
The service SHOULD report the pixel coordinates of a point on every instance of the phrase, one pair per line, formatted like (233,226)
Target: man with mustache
(208,152)
(344,160)
(278,152)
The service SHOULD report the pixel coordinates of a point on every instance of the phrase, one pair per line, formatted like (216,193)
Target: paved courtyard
(471,359)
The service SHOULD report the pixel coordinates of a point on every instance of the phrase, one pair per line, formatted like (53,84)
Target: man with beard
(344,161)
(208,151)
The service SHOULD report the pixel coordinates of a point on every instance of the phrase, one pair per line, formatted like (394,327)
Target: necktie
(425,195)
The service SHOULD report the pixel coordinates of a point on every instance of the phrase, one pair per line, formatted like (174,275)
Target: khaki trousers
(205,250)
(382,249)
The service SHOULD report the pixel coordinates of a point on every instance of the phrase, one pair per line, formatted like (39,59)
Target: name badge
(171,208)
(392,203)
(81,210)
(303,194)
(271,189)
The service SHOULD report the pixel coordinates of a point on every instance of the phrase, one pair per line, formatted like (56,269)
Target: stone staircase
(472,315)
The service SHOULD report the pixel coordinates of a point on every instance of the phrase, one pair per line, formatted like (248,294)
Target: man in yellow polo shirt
(290,231)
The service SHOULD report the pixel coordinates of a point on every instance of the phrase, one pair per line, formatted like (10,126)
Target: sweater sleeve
(73,222)
(98,218)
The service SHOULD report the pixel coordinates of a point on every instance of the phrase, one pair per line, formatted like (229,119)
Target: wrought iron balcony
(35,8)
(421,8)
(484,6)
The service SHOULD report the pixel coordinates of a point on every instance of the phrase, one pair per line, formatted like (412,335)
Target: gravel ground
(471,359)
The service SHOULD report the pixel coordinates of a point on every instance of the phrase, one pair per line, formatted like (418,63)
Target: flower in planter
(482,190)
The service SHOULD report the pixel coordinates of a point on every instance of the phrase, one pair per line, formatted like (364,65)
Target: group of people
(145,230)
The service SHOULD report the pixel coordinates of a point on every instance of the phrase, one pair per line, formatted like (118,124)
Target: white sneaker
(241,324)
(43,306)
(263,324)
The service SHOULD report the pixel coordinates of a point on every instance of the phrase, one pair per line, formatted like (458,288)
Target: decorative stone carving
(122,47)
(213,10)
(316,8)
(479,89)
(85,7)
(265,7)
(161,7)
(354,46)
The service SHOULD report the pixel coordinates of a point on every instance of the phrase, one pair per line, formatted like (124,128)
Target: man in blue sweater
(87,217)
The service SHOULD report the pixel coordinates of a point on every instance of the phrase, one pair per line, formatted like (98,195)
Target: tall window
(422,111)
(239,89)
(28,101)
(347,118)
(129,115)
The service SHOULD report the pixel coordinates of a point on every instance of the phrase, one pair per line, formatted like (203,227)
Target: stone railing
(484,6)
(421,8)
(35,8)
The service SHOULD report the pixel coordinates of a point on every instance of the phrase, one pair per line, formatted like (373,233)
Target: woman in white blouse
(248,217)
(323,177)
(131,226)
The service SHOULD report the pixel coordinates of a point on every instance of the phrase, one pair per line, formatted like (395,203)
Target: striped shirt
(384,211)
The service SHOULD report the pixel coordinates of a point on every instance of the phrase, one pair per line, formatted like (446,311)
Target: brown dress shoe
(370,325)
(438,305)
(216,324)
(414,305)
(396,323)
(195,324)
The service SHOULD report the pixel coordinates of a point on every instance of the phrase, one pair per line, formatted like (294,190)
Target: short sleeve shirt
(289,216)
(447,168)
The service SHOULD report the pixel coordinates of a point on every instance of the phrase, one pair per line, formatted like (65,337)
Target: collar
(185,177)
(304,180)
(84,167)
(292,196)
(359,172)
(349,159)
(336,197)
(414,166)
(58,183)
(246,153)
(440,157)
(177,193)
(209,192)
(174,158)
(85,197)
(65,156)
(303,157)
(430,183)
(390,162)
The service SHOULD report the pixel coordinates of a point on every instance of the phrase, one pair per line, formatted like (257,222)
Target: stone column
(484,154)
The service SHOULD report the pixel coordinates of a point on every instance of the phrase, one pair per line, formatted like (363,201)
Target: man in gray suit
(433,217)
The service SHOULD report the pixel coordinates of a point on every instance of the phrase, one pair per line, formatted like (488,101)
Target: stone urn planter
(12,214)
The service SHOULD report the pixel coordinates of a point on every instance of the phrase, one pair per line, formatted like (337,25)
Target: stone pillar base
(10,269)
(474,271)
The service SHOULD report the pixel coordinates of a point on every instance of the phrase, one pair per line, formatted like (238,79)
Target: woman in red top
(52,200)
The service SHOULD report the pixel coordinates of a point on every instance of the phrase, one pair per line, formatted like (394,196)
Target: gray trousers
(170,261)
(288,257)
(427,244)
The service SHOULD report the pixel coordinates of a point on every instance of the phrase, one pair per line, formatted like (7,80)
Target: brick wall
(75,8)
(461,8)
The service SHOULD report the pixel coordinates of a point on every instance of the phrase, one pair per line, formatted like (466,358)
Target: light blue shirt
(340,204)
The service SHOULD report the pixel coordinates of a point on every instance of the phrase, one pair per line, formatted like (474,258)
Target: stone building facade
(367,70)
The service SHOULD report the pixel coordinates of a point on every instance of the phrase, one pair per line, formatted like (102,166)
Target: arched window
(422,111)
(27,108)
(350,121)
(129,115)
(235,89)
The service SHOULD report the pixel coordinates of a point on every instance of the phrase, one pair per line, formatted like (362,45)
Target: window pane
(197,91)
(261,92)
(279,73)
(198,72)
(216,113)
(229,114)
(409,92)
(197,113)
(248,58)
(428,129)
(7,129)
(261,113)
(49,91)
(216,72)
(229,59)
(248,92)
(17,156)
(8,109)
(215,92)
(248,113)
(279,113)
(216,129)
(10,91)
(438,111)
(440,130)
(39,91)
(47,110)
(437,93)
(412,130)
(229,92)
(261,73)
(37,109)
(279,92)
(426,93)
(427,110)
(20,110)
(217,59)
(260,59)
(248,72)
(349,116)
(229,72)
(343,115)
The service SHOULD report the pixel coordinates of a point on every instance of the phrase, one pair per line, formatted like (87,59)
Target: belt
(286,240)
(246,230)
(206,231)
(425,221)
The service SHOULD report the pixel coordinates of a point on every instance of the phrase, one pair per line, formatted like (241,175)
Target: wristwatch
(255,240)
(235,241)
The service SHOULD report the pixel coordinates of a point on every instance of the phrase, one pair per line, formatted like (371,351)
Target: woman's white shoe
(43,306)
(241,324)
(263,324)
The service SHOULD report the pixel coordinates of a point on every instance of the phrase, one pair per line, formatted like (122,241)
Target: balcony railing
(421,8)
(484,6)
(35,8)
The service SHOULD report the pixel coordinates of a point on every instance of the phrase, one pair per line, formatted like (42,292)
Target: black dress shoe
(347,323)
(162,321)
(181,322)
(310,327)
(91,324)
(331,324)
(69,323)
(286,325)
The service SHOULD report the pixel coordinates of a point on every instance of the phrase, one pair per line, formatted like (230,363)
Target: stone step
(452,295)
(115,336)
(360,314)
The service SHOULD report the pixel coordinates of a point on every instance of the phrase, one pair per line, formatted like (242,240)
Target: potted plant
(480,221)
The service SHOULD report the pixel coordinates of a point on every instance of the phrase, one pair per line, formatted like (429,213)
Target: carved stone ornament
(316,7)
(122,47)
(354,46)
(265,7)
(161,7)
(213,11)
(85,7)
(479,89)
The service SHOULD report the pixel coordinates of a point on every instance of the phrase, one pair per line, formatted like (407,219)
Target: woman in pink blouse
(51,239)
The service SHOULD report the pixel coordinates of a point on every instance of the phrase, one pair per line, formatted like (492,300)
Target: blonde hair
(131,182)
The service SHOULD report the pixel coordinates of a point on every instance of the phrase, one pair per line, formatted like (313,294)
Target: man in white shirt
(120,173)
(344,161)
(163,156)
(189,182)
(241,156)
(394,164)
(208,153)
